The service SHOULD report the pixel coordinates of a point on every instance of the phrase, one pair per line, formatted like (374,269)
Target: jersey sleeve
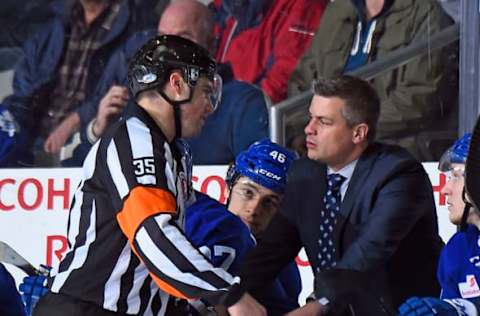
(458,272)
(444,274)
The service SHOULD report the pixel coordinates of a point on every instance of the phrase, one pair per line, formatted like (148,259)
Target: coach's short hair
(362,104)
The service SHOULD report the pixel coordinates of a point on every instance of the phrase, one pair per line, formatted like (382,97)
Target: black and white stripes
(128,250)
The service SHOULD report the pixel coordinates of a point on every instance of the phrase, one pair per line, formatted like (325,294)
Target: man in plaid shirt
(61,65)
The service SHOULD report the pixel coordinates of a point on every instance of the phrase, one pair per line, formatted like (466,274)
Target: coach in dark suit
(358,207)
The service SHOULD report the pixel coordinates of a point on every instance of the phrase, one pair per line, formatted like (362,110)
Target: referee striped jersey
(127,249)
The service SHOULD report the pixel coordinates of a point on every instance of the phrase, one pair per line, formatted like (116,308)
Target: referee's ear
(178,85)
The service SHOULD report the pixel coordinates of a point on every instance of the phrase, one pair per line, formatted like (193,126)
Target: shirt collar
(346,171)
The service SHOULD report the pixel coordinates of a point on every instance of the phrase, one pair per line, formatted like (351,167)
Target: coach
(355,205)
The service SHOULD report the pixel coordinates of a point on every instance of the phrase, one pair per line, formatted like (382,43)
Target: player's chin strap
(232,177)
(176,110)
(466,211)
(227,203)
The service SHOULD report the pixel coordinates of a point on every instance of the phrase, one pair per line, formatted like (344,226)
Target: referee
(128,253)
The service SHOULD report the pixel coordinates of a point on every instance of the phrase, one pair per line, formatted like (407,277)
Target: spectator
(19,20)
(9,136)
(377,211)
(415,97)
(273,34)
(252,197)
(241,119)
(128,212)
(60,67)
(458,271)
(10,301)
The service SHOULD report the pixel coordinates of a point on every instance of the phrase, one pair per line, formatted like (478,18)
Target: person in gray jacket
(414,97)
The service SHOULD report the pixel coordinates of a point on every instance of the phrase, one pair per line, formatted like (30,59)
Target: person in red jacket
(274,34)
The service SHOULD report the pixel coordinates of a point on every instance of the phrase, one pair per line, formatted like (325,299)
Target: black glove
(350,292)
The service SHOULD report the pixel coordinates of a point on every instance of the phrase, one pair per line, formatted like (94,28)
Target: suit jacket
(387,226)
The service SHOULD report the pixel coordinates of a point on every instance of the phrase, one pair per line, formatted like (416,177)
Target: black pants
(53,304)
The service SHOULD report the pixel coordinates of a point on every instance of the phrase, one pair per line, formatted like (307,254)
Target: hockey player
(128,252)
(459,267)
(255,184)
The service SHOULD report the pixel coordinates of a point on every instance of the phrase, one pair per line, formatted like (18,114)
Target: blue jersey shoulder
(459,266)
(221,235)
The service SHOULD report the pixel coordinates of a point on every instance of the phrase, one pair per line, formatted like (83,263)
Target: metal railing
(395,59)
(469,94)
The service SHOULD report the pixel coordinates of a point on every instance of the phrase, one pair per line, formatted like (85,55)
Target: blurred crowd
(69,60)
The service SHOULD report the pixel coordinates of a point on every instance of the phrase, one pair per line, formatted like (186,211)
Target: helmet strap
(466,211)
(231,184)
(228,199)
(178,121)
(230,188)
(177,110)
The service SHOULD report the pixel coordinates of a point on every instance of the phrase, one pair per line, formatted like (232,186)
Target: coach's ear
(359,133)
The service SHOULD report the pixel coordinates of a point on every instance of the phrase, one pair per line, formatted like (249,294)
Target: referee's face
(195,113)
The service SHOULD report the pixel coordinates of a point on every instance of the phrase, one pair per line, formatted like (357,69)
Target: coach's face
(329,139)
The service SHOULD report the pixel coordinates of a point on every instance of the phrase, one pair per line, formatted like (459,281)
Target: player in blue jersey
(255,184)
(459,267)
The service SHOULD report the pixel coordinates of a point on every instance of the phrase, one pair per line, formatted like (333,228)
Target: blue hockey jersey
(459,266)
(225,240)
(220,235)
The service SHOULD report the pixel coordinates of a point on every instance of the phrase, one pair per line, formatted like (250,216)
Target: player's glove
(32,288)
(425,306)
(344,291)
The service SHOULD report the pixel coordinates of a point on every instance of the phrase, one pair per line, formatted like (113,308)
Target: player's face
(195,113)
(453,189)
(329,138)
(254,204)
